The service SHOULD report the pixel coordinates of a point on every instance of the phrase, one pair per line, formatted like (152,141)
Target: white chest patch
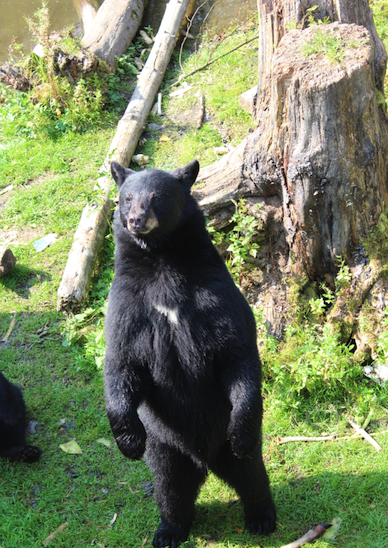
(172,314)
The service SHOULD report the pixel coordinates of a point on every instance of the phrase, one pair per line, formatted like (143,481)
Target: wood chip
(54,534)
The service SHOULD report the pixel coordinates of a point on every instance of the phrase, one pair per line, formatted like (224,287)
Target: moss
(300,290)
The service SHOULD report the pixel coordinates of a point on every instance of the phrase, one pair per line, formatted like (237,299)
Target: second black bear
(182,373)
(13,425)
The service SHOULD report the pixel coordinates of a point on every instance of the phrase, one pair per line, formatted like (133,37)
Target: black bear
(13,425)
(182,373)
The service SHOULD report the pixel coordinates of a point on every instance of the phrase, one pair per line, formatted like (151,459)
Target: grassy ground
(105,499)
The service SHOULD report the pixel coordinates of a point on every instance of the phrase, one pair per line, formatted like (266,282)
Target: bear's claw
(261,522)
(168,536)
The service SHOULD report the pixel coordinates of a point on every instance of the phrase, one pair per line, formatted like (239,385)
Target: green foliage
(382,344)
(376,244)
(328,44)
(56,105)
(241,240)
(322,304)
(311,363)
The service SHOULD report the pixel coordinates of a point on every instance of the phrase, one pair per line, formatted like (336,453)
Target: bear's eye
(155,198)
(128,198)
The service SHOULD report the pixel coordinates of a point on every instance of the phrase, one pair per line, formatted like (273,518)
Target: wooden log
(82,256)
(87,11)
(90,232)
(113,28)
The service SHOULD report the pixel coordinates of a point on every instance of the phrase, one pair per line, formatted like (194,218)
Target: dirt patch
(20,236)
(4,199)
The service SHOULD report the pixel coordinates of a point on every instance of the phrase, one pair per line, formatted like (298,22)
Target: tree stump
(317,162)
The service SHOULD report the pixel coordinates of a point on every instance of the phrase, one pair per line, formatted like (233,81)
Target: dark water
(64,13)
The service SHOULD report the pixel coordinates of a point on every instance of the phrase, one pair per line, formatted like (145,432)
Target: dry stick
(10,329)
(203,26)
(365,435)
(91,229)
(332,437)
(201,113)
(53,535)
(311,535)
(187,32)
(305,438)
(181,78)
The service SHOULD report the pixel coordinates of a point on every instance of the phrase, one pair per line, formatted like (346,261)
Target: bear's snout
(142,221)
(135,221)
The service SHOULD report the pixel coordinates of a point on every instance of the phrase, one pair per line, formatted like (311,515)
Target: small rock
(247,98)
(7,261)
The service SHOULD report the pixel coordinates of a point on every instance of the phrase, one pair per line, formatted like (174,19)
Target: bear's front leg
(123,392)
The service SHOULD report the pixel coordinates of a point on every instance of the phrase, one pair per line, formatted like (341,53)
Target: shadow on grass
(358,499)
(22,279)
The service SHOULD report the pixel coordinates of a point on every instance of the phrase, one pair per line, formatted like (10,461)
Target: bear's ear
(120,173)
(188,173)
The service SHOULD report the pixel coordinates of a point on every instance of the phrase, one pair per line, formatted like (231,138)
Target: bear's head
(152,201)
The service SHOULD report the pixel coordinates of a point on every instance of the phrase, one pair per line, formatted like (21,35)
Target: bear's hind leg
(177,480)
(249,478)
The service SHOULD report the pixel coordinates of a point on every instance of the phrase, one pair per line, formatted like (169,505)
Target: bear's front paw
(131,441)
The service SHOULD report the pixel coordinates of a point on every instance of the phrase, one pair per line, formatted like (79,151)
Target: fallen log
(90,232)
(87,11)
(113,28)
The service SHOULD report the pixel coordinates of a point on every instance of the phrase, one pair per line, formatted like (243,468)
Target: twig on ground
(9,330)
(332,437)
(305,438)
(54,534)
(311,535)
(365,435)
(201,113)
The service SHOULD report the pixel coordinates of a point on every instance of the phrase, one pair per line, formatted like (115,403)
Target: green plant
(320,305)
(343,278)
(325,42)
(382,344)
(241,240)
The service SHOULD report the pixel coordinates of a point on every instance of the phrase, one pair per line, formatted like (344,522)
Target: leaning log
(113,28)
(80,263)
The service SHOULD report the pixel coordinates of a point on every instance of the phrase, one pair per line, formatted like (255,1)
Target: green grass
(326,43)
(102,496)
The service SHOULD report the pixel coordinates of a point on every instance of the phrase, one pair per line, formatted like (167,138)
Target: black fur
(182,372)
(13,425)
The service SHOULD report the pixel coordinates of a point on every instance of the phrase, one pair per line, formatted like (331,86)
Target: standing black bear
(13,425)
(182,370)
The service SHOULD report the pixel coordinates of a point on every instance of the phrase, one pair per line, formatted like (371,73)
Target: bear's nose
(136,221)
